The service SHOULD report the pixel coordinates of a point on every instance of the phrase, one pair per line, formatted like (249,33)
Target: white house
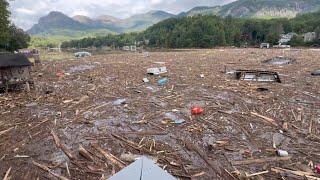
(309,36)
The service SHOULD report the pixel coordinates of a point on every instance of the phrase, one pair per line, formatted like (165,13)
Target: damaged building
(15,72)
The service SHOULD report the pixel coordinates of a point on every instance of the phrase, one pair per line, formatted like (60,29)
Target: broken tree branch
(297,173)
(131,144)
(6,177)
(110,156)
(269,120)
(5,131)
(83,152)
(45,168)
(256,174)
(191,147)
(62,146)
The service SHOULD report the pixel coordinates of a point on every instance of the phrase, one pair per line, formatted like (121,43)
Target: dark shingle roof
(13,60)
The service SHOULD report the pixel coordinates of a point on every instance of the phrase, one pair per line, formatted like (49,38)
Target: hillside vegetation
(210,31)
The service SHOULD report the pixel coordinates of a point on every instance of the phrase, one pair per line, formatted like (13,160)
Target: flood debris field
(89,118)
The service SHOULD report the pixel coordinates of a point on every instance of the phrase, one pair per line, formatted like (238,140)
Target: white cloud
(25,13)
(153,2)
(80,12)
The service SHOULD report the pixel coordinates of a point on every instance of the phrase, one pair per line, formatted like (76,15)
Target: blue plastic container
(163,81)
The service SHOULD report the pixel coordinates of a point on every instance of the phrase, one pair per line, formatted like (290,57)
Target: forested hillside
(210,31)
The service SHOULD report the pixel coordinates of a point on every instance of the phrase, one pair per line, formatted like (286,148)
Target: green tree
(297,41)
(4,23)
(18,39)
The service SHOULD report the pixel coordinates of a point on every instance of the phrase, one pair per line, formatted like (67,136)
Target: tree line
(210,31)
(11,37)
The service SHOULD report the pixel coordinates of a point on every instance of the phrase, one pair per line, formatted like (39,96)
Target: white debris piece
(146,80)
(157,71)
(146,54)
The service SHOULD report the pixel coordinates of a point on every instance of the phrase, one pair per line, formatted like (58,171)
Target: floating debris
(197,110)
(316,73)
(262,89)
(174,118)
(259,76)
(163,81)
(119,102)
(157,71)
(81,68)
(279,60)
(282,153)
(145,80)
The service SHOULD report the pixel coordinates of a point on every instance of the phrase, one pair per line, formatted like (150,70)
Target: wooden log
(256,174)
(308,175)
(6,176)
(62,146)
(5,131)
(110,157)
(45,168)
(44,121)
(83,152)
(261,160)
(132,144)
(191,147)
(68,171)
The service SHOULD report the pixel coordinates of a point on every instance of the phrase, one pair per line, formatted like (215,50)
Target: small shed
(15,71)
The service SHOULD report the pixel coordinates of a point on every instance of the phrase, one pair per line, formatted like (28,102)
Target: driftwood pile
(89,118)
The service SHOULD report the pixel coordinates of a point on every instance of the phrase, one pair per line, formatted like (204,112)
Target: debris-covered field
(89,118)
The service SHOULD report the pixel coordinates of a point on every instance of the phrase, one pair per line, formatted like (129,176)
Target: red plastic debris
(318,168)
(197,110)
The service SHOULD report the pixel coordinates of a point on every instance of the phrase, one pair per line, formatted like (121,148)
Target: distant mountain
(203,10)
(269,8)
(58,21)
(84,20)
(105,19)
(142,21)
(258,9)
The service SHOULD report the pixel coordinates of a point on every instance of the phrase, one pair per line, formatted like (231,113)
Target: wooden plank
(261,160)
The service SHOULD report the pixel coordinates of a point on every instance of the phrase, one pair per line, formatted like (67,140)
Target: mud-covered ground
(102,104)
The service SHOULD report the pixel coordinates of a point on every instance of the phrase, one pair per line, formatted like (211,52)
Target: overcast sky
(25,13)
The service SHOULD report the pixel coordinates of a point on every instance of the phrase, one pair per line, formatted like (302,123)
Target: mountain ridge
(57,20)
(55,23)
